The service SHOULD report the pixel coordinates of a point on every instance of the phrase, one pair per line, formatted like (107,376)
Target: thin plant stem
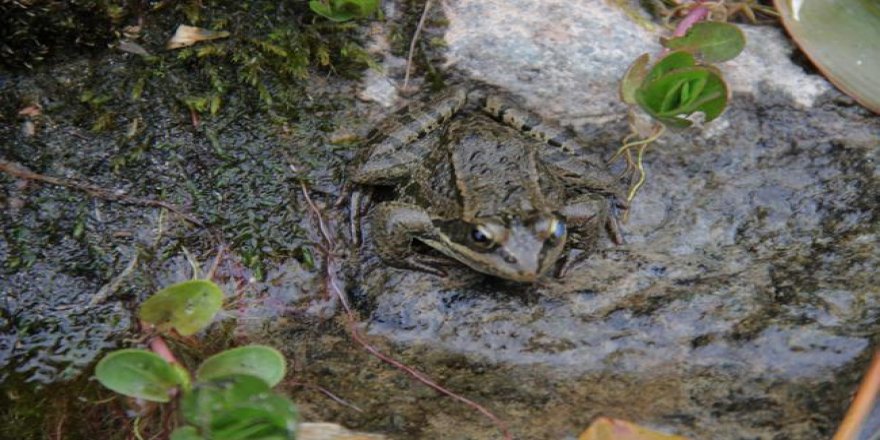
(412,43)
(642,145)
(137,429)
(641,169)
(17,170)
(694,15)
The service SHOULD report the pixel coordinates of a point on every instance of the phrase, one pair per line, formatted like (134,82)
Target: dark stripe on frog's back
(532,125)
(412,122)
(564,154)
(433,184)
(395,147)
(495,168)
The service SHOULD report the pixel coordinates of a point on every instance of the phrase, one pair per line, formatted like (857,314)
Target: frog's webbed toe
(395,226)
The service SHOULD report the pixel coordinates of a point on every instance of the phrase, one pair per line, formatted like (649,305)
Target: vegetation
(344,10)
(680,85)
(231,396)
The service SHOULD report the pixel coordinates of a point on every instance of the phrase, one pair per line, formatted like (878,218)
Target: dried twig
(331,269)
(329,394)
(111,287)
(16,170)
(412,43)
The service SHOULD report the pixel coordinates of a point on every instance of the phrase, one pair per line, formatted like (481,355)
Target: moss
(32,31)
(272,49)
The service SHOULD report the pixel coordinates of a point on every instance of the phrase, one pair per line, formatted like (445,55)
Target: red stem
(158,345)
(695,15)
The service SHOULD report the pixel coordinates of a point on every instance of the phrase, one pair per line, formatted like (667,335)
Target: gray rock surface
(748,274)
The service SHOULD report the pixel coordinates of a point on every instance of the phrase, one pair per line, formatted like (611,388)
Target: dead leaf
(132,47)
(605,428)
(188,35)
(31,111)
(330,431)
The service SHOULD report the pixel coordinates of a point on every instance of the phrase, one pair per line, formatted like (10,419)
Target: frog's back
(495,169)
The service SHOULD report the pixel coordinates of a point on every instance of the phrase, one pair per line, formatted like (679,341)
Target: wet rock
(747,275)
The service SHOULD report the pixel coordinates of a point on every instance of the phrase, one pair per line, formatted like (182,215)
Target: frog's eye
(481,235)
(556,229)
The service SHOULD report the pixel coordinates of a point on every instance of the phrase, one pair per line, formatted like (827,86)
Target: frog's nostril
(510,259)
(527,276)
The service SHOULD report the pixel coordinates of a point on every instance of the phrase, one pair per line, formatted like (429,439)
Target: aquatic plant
(231,395)
(679,86)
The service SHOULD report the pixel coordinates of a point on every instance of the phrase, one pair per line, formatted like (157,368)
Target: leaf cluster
(682,83)
(231,397)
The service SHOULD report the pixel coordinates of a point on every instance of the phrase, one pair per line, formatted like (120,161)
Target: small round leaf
(187,307)
(682,92)
(841,39)
(260,361)
(138,373)
(237,407)
(633,78)
(712,41)
(344,10)
(672,61)
(186,433)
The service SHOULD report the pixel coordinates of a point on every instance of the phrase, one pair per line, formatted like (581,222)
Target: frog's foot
(395,226)
(564,264)
(584,214)
(615,232)
(589,213)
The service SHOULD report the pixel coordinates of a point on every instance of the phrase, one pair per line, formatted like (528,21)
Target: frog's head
(511,247)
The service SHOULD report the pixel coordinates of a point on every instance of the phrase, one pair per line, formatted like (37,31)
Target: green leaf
(138,373)
(712,41)
(840,38)
(344,10)
(186,433)
(183,377)
(672,61)
(633,78)
(261,361)
(239,407)
(269,416)
(188,306)
(682,92)
(324,10)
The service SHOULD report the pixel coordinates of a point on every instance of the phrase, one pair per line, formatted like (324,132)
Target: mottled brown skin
(498,190)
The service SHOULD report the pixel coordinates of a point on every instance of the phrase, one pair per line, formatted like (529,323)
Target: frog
(479,181)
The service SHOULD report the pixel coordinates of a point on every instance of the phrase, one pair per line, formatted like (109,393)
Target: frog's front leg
(589,213)
(395,226)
